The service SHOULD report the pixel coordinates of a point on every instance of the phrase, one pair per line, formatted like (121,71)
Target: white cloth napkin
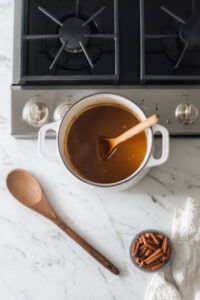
(181,281)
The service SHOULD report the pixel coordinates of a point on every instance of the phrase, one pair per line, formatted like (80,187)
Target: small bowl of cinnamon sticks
(151,250)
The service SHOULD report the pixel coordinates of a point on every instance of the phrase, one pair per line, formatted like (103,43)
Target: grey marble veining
(37,260)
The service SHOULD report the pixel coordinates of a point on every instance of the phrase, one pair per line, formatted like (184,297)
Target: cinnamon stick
(160,236)
(133,248)
(142,247)
(143,250)
(136,249)
(144,239)
(150,246)
(148,252)
(147,235)
(165,245)
(141,264)
(137,260)
(140,240)
(154,238)
(156,267)
(164,258)
(154,254)
(150,260)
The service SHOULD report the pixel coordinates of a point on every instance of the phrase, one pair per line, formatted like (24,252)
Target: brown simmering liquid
(81,144)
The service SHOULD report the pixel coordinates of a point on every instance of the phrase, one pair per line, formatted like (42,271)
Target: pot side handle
(42,140)
(153,162)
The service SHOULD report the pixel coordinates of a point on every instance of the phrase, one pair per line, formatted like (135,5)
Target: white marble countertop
(37,260)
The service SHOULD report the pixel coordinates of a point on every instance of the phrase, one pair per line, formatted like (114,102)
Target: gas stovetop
(148,51)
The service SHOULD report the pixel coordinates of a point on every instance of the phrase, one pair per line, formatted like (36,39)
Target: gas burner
(190,31)
(78,41)
(173,46)
(177,42)
(75,39)
(72,34)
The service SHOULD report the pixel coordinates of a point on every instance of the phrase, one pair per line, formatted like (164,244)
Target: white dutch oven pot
(61,127)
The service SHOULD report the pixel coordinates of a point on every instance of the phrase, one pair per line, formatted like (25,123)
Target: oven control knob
(35,113)
(186,113)
(60,111)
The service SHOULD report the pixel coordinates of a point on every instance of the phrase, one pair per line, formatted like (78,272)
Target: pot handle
(165,147)
(42,139)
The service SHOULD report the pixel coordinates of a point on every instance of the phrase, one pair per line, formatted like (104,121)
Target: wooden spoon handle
(137,129)
(87,247)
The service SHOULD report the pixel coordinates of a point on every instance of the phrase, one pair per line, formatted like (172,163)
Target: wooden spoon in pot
(27,190)
(107,146)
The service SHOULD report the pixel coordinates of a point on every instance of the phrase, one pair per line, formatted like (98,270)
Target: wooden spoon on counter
(107,146)
(27,190)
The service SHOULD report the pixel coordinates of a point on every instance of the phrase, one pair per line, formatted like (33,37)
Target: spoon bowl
(24,187)
(107,146)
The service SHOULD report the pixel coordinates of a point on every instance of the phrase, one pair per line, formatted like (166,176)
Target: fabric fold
(182,279)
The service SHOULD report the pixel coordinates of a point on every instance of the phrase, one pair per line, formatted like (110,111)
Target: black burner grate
(76,46)
(176,47)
